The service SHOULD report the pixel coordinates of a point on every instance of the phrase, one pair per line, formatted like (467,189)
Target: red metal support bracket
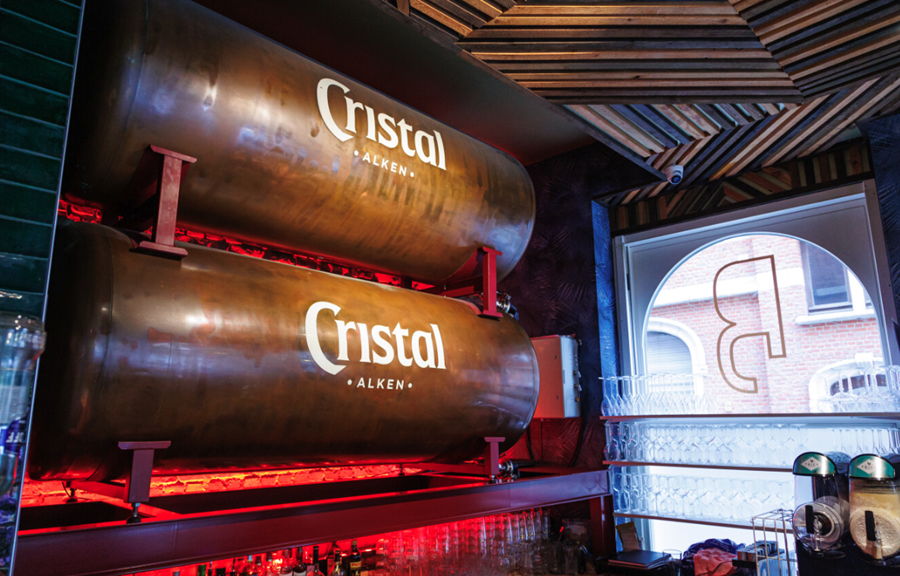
(492,457)
(489,283)
(603,526)
(136,489)
(167,185)
(487,257)
(137,484)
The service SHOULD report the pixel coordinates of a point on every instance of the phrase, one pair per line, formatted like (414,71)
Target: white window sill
(835,316)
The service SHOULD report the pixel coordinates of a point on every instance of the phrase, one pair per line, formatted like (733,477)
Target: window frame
(833,219)
(854,206)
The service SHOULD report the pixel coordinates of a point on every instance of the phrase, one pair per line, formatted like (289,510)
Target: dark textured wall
(884,147)
(37,53)
(555,285)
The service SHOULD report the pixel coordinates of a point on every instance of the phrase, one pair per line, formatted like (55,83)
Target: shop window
(771,296)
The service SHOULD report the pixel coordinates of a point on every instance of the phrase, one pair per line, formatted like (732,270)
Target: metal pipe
(244,363)
(290,153)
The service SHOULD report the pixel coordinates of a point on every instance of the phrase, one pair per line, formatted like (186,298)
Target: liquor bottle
(316,568)
(298,567)
(201,569)
(248,568)
(337,568)
(270,567)
(355,560)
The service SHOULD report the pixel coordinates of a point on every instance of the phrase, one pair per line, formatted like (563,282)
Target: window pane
(826,278)
(736,313)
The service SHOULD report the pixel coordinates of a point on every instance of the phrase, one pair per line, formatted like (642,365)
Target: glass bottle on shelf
(354,561)
(337,568)
(291,561)
(316,568)
(271,566)
(248,567)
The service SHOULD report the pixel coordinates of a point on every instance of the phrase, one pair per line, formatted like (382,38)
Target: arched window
(744,301)
(761,302)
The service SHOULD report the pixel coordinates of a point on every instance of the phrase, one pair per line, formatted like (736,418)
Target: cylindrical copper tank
(280,160)
(244,363)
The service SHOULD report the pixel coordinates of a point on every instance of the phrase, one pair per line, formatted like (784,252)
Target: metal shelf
(825,417)
(723,524)
(189,529)
(703,466)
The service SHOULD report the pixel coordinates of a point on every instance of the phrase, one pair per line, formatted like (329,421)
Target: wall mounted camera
(674,173)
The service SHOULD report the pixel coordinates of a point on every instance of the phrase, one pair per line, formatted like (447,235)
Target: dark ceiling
(718,86)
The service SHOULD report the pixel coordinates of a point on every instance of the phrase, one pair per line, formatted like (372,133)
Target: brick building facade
(722,303)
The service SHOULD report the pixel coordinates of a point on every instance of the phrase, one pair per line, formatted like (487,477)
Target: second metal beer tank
(290,153)
(244,363)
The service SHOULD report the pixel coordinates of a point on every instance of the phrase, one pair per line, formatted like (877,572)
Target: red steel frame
(173,540)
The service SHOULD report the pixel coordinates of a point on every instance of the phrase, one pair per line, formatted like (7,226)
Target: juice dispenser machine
(875,509)
(821,518)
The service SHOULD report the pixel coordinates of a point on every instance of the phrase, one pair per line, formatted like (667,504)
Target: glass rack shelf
(706,522)
(811,418)
(702,466)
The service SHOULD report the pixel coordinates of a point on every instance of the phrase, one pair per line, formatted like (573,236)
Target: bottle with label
(248,568)
(337,568)
(298,566)
(271,566)
(355,560)
(316,568)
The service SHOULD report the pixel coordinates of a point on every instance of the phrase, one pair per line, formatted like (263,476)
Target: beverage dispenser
(822,514)
(875,508)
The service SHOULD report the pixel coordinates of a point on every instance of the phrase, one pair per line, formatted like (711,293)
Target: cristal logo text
(378,344)
(380,127)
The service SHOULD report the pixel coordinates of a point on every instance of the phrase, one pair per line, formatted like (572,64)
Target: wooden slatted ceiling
(709,84)
(669,51)
(826,44)
(840,165)
(795,132)
(458,17)
(647,129)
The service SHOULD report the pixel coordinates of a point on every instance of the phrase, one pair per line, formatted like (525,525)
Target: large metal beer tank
(290,153)
(244,363)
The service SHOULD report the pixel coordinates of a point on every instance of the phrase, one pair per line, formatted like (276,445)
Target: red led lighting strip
(84,213)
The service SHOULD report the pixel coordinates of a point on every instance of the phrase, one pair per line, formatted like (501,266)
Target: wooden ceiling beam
(851,112)
(781,124)
(675,55)
(806,15)
(645,97)
(849,74)
(833,41)
(639,66)
(685,33)
(712,82)
(675,18)
(622,8)
(825,115)
(619,127)
(441,17)
(595,75)
(845,56)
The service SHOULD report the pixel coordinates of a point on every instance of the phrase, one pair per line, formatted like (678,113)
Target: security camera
(674,173)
